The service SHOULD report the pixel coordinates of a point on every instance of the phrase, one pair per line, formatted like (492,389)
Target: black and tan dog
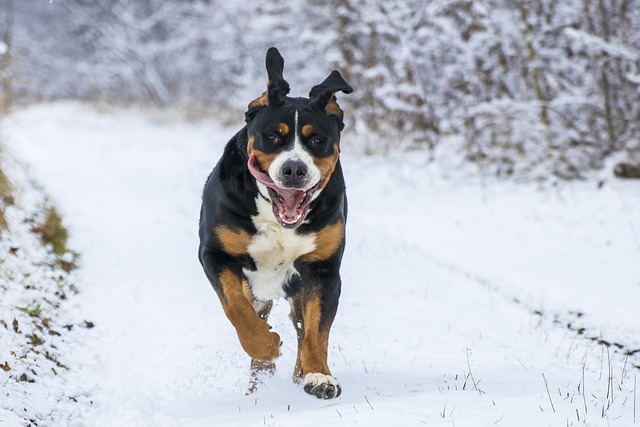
(272,224)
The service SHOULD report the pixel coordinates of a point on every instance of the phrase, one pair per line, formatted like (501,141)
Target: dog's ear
(277,87)
(323,96)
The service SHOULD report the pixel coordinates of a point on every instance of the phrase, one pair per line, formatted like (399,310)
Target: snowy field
(456,296)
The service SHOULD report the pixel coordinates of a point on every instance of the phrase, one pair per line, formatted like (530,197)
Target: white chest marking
(274,249)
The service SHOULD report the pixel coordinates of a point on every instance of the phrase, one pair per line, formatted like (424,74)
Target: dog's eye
(316,140)
(272,138)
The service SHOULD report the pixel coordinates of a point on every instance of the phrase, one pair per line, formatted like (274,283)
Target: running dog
(272,224)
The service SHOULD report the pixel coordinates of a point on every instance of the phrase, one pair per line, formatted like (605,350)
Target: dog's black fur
(272,224)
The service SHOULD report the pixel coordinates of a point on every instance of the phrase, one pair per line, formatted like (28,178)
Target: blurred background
(523,89)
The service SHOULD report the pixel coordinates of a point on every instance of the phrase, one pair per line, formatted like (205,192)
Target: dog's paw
(321,386)
(265,348)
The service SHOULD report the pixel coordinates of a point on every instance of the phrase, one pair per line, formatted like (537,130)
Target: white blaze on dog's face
(294,168)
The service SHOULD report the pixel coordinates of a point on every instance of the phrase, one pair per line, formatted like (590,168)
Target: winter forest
(523,89)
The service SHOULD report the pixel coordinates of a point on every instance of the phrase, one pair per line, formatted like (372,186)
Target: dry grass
(52,231)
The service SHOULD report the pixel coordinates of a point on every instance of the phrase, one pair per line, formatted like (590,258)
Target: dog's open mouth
(290,205)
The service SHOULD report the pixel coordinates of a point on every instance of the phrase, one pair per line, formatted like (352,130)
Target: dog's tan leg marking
(328,240)
(306,314)
(313,342)
(313,354)
(253,332)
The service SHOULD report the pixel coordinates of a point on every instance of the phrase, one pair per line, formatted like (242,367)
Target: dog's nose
(294,173)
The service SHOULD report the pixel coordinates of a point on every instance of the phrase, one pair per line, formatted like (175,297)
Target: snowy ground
(40,324)
(455,301)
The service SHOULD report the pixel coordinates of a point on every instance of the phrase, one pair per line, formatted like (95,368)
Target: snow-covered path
(427,330)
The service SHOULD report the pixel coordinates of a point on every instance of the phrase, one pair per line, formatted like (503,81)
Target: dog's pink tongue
(291,200)
(258,174)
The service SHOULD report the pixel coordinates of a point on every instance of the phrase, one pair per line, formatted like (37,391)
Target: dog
(272,224)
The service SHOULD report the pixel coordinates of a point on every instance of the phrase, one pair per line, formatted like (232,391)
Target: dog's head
(293,143)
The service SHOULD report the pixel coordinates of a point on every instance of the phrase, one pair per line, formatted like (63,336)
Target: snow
(40,324)
(455,292)
(599,43)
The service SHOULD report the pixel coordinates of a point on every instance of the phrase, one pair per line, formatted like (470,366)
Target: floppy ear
(277,87)
(323,96)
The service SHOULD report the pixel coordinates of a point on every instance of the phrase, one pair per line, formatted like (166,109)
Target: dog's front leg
(253,332)
(313,312)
